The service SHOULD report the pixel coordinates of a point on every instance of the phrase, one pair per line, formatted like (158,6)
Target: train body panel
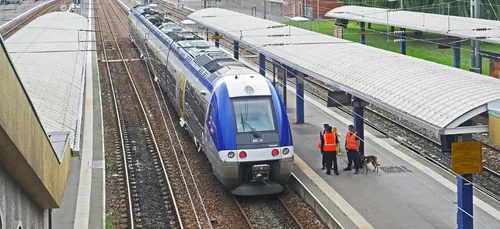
(233,114)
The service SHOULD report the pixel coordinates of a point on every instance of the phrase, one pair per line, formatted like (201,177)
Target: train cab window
(253,114)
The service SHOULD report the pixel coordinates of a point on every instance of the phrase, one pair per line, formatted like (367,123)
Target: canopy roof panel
(462,27)
(48,56)
(428,94)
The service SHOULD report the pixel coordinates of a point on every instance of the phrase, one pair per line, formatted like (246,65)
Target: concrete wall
(25,151)
(16,206)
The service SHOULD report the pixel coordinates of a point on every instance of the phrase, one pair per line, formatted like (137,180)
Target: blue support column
(262,64)
(236,50)
(299,101)
(456,55)
(464,192)
(362,39)
(216,40)
(359,123)
(402,42)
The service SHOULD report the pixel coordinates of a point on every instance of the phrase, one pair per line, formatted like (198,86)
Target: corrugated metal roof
(47,55)
(423,92)
(462,27)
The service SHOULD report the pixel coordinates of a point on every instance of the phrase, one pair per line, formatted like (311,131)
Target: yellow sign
(181,95)
(217,37)
(466,157)
(364,32)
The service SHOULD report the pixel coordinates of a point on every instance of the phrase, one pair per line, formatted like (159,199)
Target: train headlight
(275,152)
(243,154)
(230,154)
(286,151)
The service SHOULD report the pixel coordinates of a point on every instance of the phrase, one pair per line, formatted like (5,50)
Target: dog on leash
(365,160)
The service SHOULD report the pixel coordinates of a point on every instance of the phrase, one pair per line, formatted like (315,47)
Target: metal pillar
(299,101)
(359,123)
(264,9)
(402,42)
(464,192)
(262,64)
(216,40)
(363,36)
(456,54)
(207,34)
(475,65)
(236,50)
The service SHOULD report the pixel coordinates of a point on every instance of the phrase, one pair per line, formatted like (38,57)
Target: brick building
(308,8)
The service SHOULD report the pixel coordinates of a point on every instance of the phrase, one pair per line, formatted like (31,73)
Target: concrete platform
(84,197)
(411,193)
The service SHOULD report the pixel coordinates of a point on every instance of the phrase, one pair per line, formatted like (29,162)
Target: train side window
(210,113)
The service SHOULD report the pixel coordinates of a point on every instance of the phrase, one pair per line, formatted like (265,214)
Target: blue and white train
(234,115)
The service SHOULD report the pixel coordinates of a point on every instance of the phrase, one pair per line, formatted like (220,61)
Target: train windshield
(253,114)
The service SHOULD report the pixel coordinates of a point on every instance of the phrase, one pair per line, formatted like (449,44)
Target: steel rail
(178,141)
(144,113)
(119,121)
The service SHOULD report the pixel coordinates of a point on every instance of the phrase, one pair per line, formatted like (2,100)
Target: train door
(180,94)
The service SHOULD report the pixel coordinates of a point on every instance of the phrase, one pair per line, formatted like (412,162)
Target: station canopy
(49,56)
(462,27)
(436,97)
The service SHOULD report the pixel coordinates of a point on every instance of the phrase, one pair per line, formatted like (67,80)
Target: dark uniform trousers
(352,156)
(323,162)
(330,158)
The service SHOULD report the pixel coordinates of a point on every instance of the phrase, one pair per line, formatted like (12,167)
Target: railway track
(266,211)
(145,197)
(202,201)
(50,7)
(262,211)
(490,176)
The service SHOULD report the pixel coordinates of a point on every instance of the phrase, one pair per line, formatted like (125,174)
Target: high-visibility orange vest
(351,141)
(330,145)
(322,132)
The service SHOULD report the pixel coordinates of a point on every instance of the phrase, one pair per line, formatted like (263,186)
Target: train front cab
(250,141)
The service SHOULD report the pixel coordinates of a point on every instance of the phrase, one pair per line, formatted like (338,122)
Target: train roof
(204,53)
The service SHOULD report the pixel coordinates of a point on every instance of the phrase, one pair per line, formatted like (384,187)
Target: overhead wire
(406,37)
(493,9)
(372,147)
(396,163)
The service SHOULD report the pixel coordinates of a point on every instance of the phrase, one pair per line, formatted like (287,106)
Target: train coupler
(261,172)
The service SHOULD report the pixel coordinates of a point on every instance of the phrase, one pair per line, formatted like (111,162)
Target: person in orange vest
(352,148)
(320,146)
(329,147)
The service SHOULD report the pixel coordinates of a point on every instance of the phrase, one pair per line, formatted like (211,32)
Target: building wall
(16,206)
(274,7)
(26,153)
(494,126)
(324,7)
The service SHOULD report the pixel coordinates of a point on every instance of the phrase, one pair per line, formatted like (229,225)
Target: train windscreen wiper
(244,122)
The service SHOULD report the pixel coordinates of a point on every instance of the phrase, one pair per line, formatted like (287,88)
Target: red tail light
(243,154)
(275,152)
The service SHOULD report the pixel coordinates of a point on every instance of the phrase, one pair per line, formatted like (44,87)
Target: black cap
(351,126)
(326,125)
(329,129)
